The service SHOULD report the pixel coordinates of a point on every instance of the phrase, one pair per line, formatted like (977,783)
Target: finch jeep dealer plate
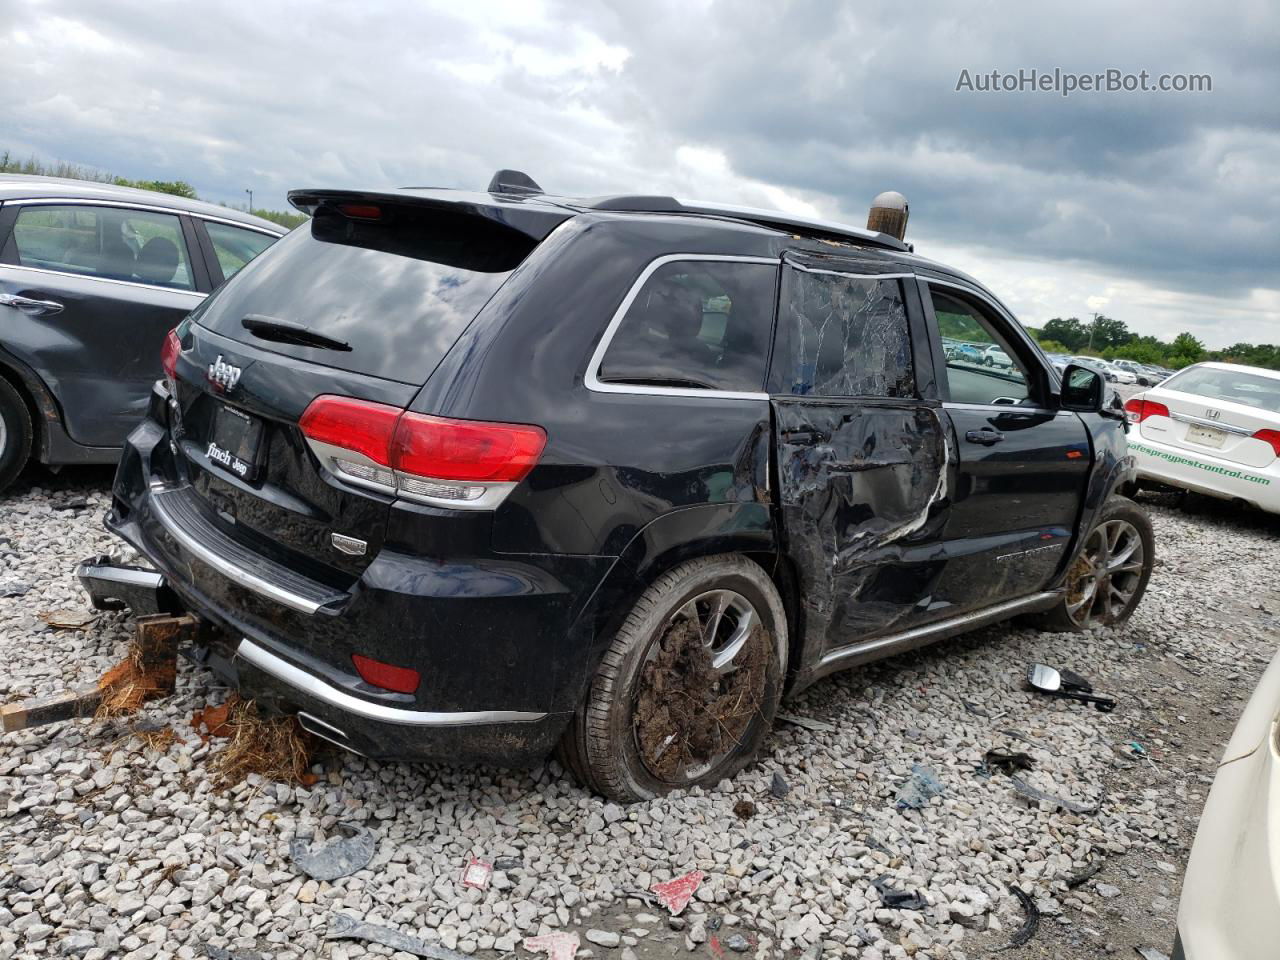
(234,444)
(1205,436)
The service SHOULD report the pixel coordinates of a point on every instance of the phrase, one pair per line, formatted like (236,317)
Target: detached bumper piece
(118,586)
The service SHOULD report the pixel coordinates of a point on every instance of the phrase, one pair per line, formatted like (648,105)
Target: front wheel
(1109,577)
(689,686)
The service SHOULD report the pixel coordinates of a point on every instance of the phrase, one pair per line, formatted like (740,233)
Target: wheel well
(33,412)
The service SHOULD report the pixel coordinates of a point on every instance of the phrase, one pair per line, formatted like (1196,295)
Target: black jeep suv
(465,476)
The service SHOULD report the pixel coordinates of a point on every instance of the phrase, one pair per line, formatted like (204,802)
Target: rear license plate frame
(1206,436)
(235,442)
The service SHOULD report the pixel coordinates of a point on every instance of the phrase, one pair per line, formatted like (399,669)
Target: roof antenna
(889,212)
(513,181)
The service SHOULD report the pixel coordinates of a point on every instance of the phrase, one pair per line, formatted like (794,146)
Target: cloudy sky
(1161,209)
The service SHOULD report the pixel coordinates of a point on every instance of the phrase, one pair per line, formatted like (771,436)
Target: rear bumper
(1205,473)
(496,639)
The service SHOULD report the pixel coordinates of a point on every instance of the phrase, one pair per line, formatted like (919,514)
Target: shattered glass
(845,336)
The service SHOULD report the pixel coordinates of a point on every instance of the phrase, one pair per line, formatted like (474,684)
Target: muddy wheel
(1108,579)
(688,688)
(15,433)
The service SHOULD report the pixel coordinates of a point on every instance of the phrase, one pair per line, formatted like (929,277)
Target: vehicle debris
(1031,793)
(676,894)
(339,857)
(920,788)
(1008,761)
(898,899)
(1029,926)
(477,873)
(345,927)
(778,786)
(737,943)
(68,619)
(1066,685)
(808,723)
(14,588)
(1151,953)
(507,863)
(1091,870)
(557,946)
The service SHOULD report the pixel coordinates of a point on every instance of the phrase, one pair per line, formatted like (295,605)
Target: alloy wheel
(1104,582)
(701,683)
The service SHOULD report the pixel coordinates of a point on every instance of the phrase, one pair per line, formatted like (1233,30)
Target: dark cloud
(796,103)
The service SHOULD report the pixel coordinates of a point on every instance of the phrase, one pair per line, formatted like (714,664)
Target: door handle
(28,305)
(987,436)
(804,438)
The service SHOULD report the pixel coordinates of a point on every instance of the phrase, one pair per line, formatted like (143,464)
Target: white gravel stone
(110,847)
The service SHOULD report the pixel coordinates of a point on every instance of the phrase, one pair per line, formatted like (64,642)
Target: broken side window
(842,336)
(698,324)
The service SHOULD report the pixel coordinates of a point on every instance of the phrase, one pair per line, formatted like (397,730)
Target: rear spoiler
(533,218)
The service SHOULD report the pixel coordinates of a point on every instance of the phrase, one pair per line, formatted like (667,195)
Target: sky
(1159,208)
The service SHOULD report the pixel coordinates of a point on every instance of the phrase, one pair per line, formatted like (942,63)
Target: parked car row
(92,277)
(1115,371)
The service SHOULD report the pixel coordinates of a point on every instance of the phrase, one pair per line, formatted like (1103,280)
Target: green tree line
(1111,338)
(179,188)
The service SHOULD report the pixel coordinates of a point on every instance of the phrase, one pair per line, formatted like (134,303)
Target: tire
(1108,600)
(627,740)
(15,433)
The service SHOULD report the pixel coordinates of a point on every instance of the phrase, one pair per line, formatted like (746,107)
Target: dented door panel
(862,490)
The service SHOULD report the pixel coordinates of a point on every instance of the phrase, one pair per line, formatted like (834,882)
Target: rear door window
(235,246)
(841,335)
(397,291)
(109,242)
(696,324)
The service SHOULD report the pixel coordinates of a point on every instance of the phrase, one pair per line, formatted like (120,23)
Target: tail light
(1138,409)
(169,351)
(469,464)
(386,675)
(1269,436)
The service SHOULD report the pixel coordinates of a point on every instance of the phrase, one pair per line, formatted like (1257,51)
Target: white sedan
(1213,428)
(1230,906)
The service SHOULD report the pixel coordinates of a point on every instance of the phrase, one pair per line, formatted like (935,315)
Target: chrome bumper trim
(229,570)
(312,685)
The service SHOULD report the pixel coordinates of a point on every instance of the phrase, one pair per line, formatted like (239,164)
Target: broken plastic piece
(1031,793)
(808,723)
(337,858)
(477,873)
(676,894)
(14,589)
(1151,953)
(1090,871)
(557,946)
(778,786)
(1008,761)
(919,789)
(1032,922)
(343,927)
(898,899)
(507,863)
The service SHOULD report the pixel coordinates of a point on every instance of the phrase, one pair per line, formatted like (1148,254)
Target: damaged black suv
(462,477)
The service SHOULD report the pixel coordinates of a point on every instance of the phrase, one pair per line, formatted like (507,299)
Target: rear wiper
(659,382)
(284,331)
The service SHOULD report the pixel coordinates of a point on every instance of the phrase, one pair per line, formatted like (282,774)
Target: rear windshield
(397,292)
(1235,386)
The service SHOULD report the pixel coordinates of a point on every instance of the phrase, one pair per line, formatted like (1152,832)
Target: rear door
(1021,467)
(89,292)
(861,457)
(362,308)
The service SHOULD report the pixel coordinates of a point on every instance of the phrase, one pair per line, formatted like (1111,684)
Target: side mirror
(1082,389)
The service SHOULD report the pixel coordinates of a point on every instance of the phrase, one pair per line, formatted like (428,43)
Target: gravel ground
(109,849)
